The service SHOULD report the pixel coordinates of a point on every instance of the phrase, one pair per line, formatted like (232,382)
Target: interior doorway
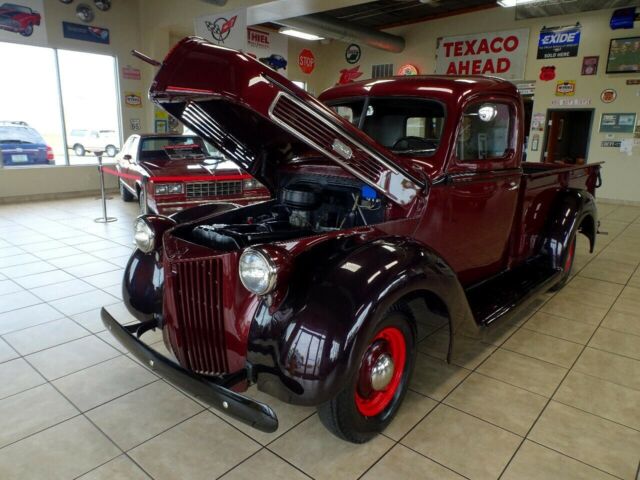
(567,136)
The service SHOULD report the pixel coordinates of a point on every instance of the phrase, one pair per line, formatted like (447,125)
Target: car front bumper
(243,409)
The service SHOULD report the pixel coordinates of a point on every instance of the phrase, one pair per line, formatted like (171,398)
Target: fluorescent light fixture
(513,3)
(298,34)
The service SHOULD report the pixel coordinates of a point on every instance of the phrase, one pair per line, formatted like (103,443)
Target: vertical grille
(200,323)
(212,189)
(382,70)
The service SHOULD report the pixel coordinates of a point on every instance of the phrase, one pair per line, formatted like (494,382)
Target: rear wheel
(126,195)
(372,397)
(27,31)
(111,150)
(567,265)
(78,150)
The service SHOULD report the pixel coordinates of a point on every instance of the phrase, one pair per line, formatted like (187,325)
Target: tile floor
(554,394)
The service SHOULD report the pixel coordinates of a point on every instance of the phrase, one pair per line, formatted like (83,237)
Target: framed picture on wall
(624,55)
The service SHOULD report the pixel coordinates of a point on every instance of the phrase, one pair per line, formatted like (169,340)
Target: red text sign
(500,53)
(306,61)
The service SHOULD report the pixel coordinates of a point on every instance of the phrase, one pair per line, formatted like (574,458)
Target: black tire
(28,31)
(568,260)
(125,193)
(79,150)
(343,417)
(111,150)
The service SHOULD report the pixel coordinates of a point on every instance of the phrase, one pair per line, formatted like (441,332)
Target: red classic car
(387,192)
(18,18)
(168,173)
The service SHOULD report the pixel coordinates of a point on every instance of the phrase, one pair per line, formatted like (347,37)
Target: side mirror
(127,157)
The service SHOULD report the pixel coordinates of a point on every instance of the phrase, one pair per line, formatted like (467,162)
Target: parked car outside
(421,197)
(22,145)
(169,173)
(18,18)
(83,141)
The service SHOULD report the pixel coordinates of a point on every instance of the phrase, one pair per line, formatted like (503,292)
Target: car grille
(214,189)
(198,334)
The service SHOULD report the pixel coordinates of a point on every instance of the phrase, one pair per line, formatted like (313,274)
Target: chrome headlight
(257,271)
(143,235)
(250,184)
(168,188)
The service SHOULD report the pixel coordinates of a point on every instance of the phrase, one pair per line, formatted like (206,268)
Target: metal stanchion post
(104,218)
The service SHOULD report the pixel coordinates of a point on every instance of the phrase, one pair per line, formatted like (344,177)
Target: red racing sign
(306,61)
(502,54)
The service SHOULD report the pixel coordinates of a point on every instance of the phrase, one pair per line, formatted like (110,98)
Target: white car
(83,140)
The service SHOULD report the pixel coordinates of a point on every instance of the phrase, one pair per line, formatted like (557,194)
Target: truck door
(479,199)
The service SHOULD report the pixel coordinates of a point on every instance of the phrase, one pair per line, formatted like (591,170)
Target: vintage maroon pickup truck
(384,192)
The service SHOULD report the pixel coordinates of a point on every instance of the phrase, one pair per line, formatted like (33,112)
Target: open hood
(260,120)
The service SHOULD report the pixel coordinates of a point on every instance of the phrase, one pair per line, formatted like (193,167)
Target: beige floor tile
(8,286)
(624,256)
(585,284)
(504,405)
(6,352)
(64,451)
(208,448)
(27,317)
(634,281)
(17,300)
(62,251)
(608,366)
(42,279)
(101,383)
(44,336)
(31,411)
(522,371)
(309,444)
(629,300)
(62,290)
(413,409)
(468,352)
(403,463)
(71,357)
(18,259)
(536,462)
(120,468)
(93,268)
(543,347)
(264,465)
(72,260)
(616,342)
(83,302)
(465,444)
(90,320)
(608,270)
(590,439)
(288,416)
(19,271)
(106,279)
(560,327)
(17,376)
(605,399)
(574,307)
(435,378)
(623,321)
(143,413)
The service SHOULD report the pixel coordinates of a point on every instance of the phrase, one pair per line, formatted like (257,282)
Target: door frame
(545,138)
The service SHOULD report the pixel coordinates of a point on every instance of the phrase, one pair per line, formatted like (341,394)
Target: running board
(507,293)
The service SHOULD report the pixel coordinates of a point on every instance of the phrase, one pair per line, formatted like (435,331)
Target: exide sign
(558,42)
(499,53)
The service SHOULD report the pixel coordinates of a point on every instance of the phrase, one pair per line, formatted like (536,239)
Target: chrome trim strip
(205,200)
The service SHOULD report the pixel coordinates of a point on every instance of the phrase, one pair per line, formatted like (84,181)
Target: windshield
(17,8)
(408,126)
(15,134)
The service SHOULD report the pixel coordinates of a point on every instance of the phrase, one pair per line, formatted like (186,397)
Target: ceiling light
(298,34)
(513,3)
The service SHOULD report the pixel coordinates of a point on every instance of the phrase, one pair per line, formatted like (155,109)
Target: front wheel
(79,150)
(372,397)
(28,30)
(126,195)
(111,150)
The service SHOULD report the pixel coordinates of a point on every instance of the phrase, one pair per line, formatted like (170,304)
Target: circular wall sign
(85,13)
(103,5)
(408,69)
(352,53)
(608,95)
(306,61)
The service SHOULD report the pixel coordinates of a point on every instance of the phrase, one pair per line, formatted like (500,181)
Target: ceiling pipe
(329,27)
(219,3)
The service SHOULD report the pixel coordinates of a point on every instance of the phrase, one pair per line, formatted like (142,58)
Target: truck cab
(383,192)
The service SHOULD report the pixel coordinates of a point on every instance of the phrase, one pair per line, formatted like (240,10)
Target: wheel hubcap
(382,372)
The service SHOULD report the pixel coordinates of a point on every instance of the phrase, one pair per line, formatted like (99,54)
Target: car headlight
(144,236)
(257,271)
(168,188)
(251,184)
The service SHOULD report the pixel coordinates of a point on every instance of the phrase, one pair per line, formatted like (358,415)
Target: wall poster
(502,54)
(617,122)
(23,21)
(558,42)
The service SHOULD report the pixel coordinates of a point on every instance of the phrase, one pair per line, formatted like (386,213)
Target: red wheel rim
(570,253)
(390,341)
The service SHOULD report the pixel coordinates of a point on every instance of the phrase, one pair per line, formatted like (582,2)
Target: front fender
(142,285)
(307,350)
(575,211)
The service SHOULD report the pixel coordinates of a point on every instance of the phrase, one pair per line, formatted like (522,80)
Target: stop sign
(306,61)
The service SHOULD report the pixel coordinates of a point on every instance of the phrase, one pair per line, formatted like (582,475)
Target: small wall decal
(349,74)
(547,73)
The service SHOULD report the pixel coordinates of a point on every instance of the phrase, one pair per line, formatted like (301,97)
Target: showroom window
(58,107)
